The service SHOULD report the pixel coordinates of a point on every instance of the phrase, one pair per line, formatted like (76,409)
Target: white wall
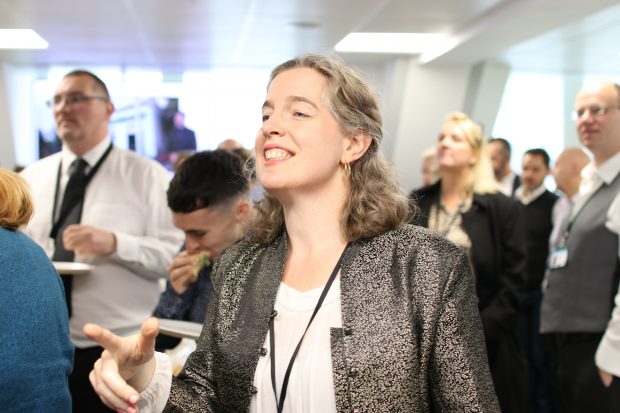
(7,149)
(428,95)
(17,116)
(484,95)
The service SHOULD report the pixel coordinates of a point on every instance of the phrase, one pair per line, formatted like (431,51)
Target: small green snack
(201,261)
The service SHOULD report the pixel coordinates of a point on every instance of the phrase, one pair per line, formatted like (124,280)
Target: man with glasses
(106,207)
(584,268)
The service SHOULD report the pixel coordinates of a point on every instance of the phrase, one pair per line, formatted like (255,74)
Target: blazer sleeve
(501,311)
(459,370)
(194,389)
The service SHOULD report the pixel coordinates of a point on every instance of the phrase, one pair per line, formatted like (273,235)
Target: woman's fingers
(105,338)
(111,388)
(115,388)
(148,333)
(122,358)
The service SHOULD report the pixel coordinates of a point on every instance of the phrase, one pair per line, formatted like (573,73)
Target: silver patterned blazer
(411,337)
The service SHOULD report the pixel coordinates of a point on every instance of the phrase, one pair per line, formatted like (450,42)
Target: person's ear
(355,147)
(109,108)
(473,159)
(242,210)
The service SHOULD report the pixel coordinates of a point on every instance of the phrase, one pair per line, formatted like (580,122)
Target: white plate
(180,329)
(72,268)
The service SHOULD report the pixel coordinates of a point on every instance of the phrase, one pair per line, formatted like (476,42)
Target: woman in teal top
(36,354)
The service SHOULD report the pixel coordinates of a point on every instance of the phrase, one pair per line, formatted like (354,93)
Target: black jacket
(495,227)
(538,225)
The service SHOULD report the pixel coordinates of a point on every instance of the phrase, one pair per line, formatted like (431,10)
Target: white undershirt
(311,384)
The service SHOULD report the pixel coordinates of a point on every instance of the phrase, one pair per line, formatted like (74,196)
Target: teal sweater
(36,355)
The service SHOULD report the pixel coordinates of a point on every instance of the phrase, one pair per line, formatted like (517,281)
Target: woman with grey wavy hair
(333,303)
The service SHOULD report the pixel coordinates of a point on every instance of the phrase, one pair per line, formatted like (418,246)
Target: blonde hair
(16,206)
(481,179)
(374,203)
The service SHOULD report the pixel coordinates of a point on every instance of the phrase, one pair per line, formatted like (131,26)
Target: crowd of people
(327,289)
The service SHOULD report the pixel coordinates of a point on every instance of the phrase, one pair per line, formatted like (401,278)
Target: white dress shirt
(530,197)
(560,216)
(608,353)
(506,183)
(126,196)
(311,384)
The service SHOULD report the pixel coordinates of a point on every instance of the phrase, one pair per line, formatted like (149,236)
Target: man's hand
(126,366)
(87,241)
(606,377)
(182,271)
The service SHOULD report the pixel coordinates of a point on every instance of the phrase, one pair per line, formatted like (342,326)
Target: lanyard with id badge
(559,256)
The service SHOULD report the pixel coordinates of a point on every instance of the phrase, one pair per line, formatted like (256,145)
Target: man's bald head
(597,117)
(567,170)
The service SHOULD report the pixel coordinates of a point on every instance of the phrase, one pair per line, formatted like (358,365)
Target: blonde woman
(334,304)
(35,349)
(466,207)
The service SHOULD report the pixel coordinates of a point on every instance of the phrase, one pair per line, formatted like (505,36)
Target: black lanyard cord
(572,218)
(272,345)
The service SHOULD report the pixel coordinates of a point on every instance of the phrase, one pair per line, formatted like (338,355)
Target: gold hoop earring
(346,170)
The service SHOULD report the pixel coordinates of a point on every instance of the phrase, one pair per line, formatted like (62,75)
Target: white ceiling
(174,35)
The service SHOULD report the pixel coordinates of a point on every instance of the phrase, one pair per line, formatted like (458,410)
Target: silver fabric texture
(411,339)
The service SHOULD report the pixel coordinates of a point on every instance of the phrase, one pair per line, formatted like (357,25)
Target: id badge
(558,258)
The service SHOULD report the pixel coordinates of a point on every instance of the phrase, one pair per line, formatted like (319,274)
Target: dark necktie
(70,213)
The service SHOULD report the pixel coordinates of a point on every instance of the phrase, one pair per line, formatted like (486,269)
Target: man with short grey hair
(584,269)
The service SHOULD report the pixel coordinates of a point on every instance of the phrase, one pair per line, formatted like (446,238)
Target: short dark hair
(206,179)
(505,144)
(98,82)
(539,152)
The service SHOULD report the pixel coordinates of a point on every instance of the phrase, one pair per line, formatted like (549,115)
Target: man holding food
(208,197)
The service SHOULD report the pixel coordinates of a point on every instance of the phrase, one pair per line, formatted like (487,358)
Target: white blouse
(311,384)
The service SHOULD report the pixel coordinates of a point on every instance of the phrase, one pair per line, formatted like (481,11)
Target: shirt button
(348,331)
(353,372)
(274,313)
(263,351)
(253,389)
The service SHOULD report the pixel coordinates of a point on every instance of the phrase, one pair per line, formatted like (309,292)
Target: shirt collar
(609,169)
(531,197)
(92,156)
(507,183)
(508,179)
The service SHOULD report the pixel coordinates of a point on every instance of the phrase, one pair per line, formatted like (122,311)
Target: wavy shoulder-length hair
(16,206)
(374,203)
(480,177)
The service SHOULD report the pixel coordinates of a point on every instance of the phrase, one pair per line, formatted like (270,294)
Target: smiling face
(454,151)
(83,123)
(300,144)
(600,133)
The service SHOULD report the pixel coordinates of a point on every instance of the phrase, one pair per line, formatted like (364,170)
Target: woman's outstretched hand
(126,366)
